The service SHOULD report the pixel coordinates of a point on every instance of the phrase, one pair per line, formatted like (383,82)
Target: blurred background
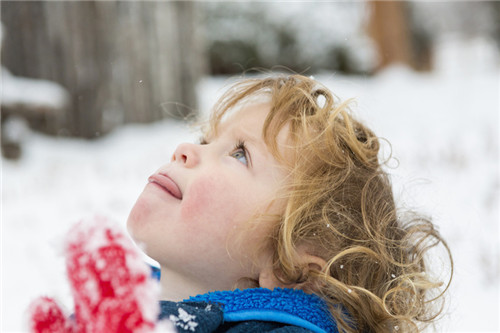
(103,64)
(95,94)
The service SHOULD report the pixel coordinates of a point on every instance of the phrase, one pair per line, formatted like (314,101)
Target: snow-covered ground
(444,131)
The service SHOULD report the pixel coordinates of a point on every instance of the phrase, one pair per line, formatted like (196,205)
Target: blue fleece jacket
(251,310)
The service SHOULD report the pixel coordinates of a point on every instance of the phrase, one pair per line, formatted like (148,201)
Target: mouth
(167,184)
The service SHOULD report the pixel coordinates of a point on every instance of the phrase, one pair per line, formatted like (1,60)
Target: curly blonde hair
(341,205)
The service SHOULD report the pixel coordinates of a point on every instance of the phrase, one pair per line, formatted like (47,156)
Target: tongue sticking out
(167,184)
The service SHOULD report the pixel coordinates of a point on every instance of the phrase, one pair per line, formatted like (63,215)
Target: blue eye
(240,153)
(241,156)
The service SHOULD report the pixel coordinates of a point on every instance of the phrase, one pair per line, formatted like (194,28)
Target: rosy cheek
(209,199)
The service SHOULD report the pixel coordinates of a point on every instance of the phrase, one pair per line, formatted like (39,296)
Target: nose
(188,154)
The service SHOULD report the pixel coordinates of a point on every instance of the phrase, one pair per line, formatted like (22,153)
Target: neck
(177,287)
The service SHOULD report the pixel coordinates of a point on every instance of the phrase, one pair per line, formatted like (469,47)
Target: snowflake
(184,320)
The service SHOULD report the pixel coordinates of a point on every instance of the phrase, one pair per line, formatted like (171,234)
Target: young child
(282,219)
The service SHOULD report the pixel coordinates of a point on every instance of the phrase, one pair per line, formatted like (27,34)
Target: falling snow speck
(396,328)
(349,290)
(341,266)
(393,276)
(140,81)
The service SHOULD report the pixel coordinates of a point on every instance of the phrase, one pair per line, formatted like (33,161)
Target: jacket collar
(288,306)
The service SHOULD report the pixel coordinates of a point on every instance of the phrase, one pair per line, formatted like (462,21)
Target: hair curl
(340,204)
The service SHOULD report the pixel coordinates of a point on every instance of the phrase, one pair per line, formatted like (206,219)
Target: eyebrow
(249,137)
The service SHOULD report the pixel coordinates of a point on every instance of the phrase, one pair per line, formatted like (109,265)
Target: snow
(443,128)
(42,93)
(185,320)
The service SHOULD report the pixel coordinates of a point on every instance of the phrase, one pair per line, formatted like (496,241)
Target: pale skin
(192,215)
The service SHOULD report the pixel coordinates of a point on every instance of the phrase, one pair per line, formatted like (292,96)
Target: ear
(313,262)
(310,262)
(267,278)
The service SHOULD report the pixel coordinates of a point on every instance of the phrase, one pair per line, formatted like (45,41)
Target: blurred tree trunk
(389,28)
(121,61)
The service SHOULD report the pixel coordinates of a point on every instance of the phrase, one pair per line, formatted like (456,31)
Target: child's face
(213,190)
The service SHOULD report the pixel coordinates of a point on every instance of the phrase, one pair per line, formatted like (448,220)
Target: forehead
(249,119)
(249,123)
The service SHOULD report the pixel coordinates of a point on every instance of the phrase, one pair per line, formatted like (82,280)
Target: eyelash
(240,145)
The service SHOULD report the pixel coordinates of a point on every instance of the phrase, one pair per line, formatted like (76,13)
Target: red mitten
(111,285)
(47,317)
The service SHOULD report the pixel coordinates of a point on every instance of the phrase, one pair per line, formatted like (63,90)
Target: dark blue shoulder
(192,316)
